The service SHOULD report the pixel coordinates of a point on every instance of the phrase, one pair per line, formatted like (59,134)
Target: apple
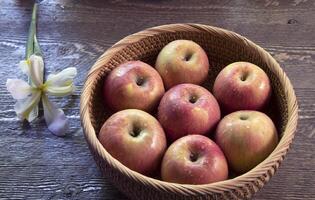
(188,109)
(133,84)
(135,138)
(182,61)
(242,86)
(246,139)
(194,159)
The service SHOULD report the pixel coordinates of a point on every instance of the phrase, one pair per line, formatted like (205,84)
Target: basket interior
(220,51)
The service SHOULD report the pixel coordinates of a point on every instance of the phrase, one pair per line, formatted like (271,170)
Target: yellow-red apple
(246,138)
(133,84)
(194,159)
(242,86)
(135,138)
(188,109)
(182,61)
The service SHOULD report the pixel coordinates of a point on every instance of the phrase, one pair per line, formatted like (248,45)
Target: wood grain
(37,165)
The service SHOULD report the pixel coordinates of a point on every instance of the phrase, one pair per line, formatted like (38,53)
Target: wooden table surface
(37,165)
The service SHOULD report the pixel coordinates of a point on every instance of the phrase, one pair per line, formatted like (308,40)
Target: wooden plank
(37,165)
(297,62)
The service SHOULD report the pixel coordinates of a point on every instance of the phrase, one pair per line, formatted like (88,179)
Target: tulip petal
(33,114)
(60,91)
(59,126)
(36,70)
(18,88)
(63,78)
(27,108)
(55,118)
(25,66)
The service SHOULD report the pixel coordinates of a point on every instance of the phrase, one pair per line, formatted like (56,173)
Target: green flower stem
(37,49)
(31,33)
(32,46)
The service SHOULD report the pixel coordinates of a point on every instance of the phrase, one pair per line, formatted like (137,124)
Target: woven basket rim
(269,164)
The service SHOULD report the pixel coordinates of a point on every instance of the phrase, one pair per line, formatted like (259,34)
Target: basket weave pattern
(222,47)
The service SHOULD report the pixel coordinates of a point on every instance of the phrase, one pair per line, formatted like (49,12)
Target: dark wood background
(37,165)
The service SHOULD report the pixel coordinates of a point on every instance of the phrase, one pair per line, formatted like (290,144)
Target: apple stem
(188,56)
(135,132)
(193,157)
(140,81)
(244,76)
(192,99)
(243,117)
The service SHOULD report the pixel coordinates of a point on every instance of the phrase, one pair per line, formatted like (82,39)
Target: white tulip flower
(28,96)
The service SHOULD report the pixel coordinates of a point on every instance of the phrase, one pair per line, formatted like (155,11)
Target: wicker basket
(223,47)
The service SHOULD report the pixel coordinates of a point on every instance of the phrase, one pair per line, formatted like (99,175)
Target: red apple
(194,159)
(134,84)
(188,109)
(135,138)
(182,61)
(246,138)
(242,86)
